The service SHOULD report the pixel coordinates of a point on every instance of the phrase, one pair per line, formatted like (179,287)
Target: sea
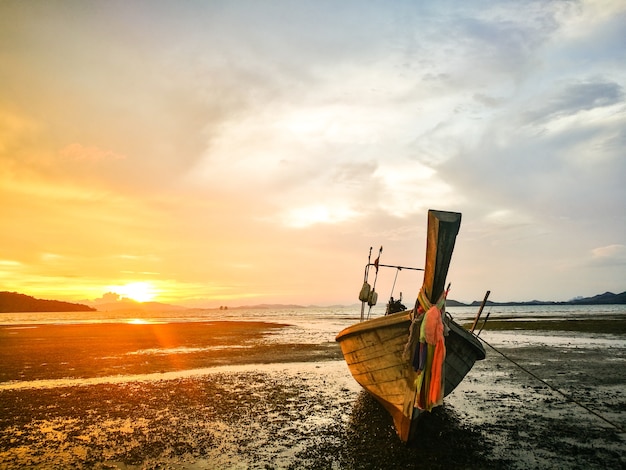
(317,325)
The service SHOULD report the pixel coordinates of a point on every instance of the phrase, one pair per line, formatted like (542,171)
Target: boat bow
(380,354)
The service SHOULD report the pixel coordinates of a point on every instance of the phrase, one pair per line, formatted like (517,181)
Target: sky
(209,153)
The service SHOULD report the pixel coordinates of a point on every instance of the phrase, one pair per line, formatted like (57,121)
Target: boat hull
(374,353)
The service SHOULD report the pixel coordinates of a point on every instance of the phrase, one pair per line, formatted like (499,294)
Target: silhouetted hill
(11,302)
(601,299)
(608,298)
(266,306)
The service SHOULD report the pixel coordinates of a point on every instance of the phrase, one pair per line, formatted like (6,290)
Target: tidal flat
(227,395)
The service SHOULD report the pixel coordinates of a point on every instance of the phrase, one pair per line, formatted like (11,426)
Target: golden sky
(210,153)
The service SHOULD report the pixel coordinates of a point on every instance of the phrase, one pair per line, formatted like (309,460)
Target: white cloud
(609,255)
(581,19)
(302,217)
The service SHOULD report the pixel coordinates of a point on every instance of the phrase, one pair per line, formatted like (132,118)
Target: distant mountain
(11,302)
(608,298)
(266,306)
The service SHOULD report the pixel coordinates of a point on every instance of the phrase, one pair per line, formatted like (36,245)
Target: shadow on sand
(442,440)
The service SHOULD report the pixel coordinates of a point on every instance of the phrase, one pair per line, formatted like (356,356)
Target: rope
(414,334)
(563,394)
(394,282)
(422,305)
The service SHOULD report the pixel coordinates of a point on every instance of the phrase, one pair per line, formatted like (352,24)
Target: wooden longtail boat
(376,350)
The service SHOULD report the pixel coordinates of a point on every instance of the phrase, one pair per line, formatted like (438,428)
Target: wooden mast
(443,228)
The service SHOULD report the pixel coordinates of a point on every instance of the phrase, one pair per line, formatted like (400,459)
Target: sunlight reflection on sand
(143,321)
(335,368)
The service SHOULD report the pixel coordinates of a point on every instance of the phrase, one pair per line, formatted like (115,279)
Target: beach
(232,394)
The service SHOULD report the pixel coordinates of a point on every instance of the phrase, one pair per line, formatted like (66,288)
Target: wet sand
(95,350)
(218,395)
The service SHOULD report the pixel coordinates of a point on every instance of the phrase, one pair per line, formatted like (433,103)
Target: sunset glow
(242,153)
(139,321)
(138,291)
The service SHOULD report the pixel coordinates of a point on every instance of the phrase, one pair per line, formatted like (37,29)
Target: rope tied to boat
(567,396)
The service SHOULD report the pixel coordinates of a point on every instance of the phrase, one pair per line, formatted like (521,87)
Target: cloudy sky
(236,152)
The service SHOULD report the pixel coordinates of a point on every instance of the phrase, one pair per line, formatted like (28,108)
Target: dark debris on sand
(292,419)
(312,415)
(249,420)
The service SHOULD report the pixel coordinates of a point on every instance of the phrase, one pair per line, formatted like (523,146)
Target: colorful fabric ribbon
(430,355)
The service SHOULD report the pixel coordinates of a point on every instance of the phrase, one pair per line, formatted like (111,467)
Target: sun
(139,291)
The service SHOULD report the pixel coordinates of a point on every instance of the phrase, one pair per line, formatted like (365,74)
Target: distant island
(608,298)
(263,306)
(11,302)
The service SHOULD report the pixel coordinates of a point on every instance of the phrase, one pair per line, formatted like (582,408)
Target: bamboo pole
(480,311)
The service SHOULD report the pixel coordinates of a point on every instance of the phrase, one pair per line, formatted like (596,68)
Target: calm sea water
(321,324)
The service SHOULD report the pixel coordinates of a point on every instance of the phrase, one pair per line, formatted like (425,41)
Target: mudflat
(30,352)
(227,395)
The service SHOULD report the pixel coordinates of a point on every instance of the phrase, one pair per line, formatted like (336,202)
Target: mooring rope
(563,394)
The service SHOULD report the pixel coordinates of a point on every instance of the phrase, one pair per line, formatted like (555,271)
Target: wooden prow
(443,228)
